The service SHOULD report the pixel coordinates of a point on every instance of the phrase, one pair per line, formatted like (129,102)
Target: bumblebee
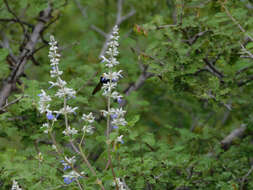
(100,84)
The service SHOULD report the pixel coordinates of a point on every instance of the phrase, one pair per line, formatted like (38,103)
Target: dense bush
(186,84)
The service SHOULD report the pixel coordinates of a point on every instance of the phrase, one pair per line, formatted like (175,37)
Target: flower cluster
(88,119)
(112,76)
(71,161)
(71,176)
(62,92)
(15,186)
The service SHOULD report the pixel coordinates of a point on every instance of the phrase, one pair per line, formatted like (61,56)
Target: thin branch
(119,20)
(127,16)
(210,64)
(13,13)
(227,106)
(236,22)
(17,21)
(161,63)
(244,82)
(237,133)
(244,178)
(81,8)
(250,55)
(98,30)
(195,37)
(165,26)
(138,83)
(2,109)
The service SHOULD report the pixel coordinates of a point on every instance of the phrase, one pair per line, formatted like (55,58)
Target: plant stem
(108,143)
(99,182)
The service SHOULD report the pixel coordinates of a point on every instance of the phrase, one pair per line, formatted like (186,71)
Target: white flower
(119,121)
(44,102)
(54,58)
(104,113)
(59,83)
(89,118)
(15,186)
(45,127)
(72,174)
(120,139)
(118,111)
(67,110)
(116,95)
(109,86)
(111,62)
(68,131)
(114,76)
(55,73)
(71,160)
(88,129)
(44,97)
(65,92)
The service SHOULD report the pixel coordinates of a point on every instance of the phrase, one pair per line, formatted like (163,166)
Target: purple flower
(119,100)
(66,167)
(68,180)
(50,116)
(114,116)
(115,127)
(68,98)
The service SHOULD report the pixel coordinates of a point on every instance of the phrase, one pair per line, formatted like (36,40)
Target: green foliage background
(177,119)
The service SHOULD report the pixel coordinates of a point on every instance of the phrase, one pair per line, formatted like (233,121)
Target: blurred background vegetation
(188,72)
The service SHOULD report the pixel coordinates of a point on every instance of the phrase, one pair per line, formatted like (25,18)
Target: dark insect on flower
(100,84)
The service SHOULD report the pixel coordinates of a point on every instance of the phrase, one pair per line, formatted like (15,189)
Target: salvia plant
(76,136)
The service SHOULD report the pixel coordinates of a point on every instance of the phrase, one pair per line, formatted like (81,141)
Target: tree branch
(10,83)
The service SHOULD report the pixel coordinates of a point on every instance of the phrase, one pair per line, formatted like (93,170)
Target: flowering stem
(99,182)
(66,122)
(108,143)
(79,185)
(59,152)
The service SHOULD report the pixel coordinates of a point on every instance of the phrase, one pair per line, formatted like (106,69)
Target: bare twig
(250,55)
(2,109)
(227,106)
(195,37)
(236,22)
(237,133)
(244,82)
(98,30)
(211,66)
(161,63)
(139,82)
(17,21)
(119,20)
(165,26)
(81,8)
(16,17)
(244,178)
